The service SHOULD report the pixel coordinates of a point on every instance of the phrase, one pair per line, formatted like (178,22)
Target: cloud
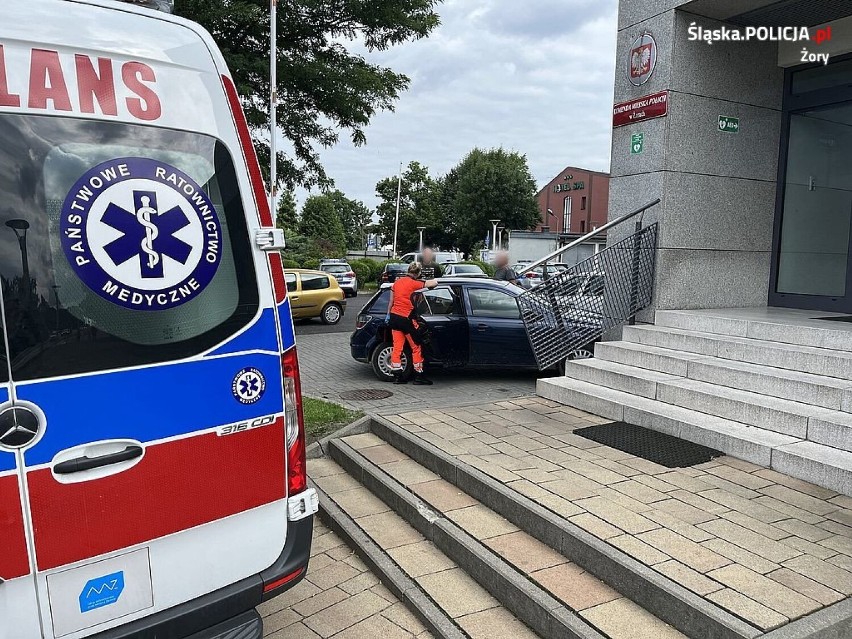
(535,76)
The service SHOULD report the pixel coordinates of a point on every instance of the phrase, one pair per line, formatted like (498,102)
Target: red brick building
(578,199)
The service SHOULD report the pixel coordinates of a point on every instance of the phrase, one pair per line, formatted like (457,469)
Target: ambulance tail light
(297,474)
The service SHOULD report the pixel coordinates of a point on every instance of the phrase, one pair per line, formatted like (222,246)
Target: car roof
(305,271)
(481,283)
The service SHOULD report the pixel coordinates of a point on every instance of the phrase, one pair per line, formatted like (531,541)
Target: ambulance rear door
(143,348)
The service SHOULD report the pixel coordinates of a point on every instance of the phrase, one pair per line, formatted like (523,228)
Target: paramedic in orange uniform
(402,324)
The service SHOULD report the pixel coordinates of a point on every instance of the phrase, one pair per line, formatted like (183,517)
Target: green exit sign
(727,124)
(637,143)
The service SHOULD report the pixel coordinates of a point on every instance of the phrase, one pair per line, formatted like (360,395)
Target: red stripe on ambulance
(14,561)
(187,483)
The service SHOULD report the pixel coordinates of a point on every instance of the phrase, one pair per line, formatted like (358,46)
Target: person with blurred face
(429,268)
(504,272)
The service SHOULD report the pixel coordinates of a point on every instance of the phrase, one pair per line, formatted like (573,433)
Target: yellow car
(315,294)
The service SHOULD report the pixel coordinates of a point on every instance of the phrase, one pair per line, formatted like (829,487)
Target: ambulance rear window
(120,245)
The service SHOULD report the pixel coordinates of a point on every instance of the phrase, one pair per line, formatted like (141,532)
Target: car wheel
(381,362)
(586,352)
(331,313)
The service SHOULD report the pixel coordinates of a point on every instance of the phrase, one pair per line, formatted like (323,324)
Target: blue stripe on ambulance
(260,336)
(285,319)
(99,407)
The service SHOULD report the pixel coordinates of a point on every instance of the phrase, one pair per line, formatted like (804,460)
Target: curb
(547,616)
(358,427)
(682,609)
(391,575)
(834,622)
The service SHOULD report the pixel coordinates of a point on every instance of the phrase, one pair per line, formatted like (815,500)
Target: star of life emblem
(248,386)
(141,234)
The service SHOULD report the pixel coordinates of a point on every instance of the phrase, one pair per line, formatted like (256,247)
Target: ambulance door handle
(80,464)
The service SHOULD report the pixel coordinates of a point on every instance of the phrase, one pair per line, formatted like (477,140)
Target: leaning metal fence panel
(574,308)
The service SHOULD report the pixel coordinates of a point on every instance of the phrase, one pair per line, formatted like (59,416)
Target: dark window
(380,303)
(583,226)
(291,282)
(311,282)
(486,302)
(439,301)
(57,324)
(583,204)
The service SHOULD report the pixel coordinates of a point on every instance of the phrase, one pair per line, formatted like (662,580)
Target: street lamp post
(20,228)
(421,229)
(500,237)
(398,200)
(494,224)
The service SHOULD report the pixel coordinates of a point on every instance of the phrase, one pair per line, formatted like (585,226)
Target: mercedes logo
(19,426)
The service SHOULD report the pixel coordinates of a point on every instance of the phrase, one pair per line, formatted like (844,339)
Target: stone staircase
(475,560)
(770,386)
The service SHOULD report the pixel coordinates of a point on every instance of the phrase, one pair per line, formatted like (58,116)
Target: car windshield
(335,268)
(397,267)
(470,269)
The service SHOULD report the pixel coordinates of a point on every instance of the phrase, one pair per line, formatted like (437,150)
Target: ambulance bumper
(228,613)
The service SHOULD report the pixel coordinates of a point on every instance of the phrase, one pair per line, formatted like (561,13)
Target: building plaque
(641,109)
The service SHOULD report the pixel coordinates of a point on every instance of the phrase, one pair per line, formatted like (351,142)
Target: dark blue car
(472,323)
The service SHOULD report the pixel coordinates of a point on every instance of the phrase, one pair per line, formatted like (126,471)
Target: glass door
(814,265)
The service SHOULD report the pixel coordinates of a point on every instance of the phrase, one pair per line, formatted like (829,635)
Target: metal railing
(572,309)
(588,236)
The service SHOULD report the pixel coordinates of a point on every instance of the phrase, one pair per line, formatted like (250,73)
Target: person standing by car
(504,272)
(403,325)
(430,269)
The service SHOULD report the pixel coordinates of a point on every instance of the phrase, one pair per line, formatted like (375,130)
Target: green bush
(311,263)
(365,270)
(290,264)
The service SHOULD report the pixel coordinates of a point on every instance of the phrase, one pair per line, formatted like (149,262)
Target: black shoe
(399,379)
(421,380)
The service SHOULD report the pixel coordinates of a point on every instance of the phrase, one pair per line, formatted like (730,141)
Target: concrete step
(437,590)
(817,463)
(802,421)
(448,553)
(827,392)
(789,327)
(815,361)
(646,588)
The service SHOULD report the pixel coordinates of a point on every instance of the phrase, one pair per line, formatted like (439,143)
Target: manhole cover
(652,445)
(365,395)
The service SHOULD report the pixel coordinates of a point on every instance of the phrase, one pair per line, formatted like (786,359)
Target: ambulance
(152,448)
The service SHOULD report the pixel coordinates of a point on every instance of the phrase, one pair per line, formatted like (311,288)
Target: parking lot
(328,371)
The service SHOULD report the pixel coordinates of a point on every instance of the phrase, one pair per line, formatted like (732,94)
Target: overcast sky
(535,76)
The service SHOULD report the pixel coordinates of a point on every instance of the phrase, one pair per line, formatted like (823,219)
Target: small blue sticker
(248,386)
(141,234)
(103,591)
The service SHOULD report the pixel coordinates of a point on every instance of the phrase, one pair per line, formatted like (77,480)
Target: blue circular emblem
(141,234)
(248,386)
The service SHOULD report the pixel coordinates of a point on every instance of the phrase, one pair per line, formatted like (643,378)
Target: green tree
(355,217)
(418,207)
(322,227)
(287,217)
(323,89)
(494,184)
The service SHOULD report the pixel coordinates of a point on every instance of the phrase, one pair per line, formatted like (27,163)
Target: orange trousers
(399,340)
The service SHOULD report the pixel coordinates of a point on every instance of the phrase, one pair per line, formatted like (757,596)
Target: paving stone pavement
(765,546)
(339,598)
(328,369)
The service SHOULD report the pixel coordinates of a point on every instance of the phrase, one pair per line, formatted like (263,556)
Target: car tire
(586,352)
(380,362)
(331,314)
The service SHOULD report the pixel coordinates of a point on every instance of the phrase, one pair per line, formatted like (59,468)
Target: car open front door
(145,365)
(442,311)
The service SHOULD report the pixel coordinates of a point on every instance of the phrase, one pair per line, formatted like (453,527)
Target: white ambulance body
(152,474)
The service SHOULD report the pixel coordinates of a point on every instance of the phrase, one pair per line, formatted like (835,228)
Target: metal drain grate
(365,395)
(659,448)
